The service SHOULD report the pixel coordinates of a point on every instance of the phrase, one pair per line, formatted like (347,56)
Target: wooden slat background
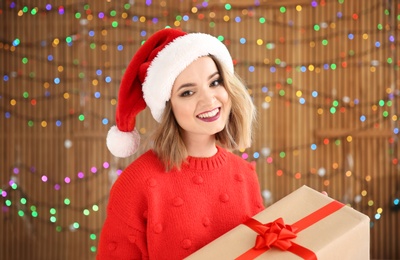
(55,170)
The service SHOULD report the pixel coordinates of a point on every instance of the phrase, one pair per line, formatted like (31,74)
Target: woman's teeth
(209,114)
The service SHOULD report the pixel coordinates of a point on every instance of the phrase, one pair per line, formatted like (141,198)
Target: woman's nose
(207,96)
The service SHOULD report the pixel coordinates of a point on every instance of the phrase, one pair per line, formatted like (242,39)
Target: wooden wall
(323,74)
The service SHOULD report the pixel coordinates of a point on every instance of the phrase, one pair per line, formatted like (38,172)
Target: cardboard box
(341,233)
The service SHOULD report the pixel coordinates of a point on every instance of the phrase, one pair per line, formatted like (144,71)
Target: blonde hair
(238,133)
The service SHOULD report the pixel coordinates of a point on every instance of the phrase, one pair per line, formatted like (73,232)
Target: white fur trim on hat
(172,60)
(122,144)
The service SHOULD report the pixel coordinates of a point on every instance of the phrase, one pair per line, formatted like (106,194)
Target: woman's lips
(210,115)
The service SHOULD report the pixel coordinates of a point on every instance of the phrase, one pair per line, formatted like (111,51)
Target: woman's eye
(186,93)
(216,82)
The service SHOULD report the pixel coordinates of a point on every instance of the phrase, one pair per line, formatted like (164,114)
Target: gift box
(306,224)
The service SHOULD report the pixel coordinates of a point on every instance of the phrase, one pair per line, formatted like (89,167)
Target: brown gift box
(343,234)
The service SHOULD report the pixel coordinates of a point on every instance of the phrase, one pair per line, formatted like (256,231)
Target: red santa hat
(149,78)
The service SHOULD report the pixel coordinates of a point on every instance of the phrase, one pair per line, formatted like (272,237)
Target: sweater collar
(209,163)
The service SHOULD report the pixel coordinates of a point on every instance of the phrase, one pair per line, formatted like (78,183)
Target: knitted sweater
(152,214)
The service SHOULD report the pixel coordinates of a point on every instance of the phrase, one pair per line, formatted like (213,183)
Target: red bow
(274,234)
(277,234)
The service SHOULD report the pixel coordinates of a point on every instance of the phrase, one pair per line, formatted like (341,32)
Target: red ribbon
(277,234)
(273,234)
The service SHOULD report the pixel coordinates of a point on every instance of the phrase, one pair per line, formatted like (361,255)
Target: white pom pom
(122,144)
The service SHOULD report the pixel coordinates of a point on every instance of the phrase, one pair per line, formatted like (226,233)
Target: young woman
(189,188)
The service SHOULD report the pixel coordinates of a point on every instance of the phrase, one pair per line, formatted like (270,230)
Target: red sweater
(152,214)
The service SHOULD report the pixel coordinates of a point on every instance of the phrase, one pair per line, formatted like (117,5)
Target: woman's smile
(210,115)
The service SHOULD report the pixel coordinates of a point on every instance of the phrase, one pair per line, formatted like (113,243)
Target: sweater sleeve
(120,241)
(256,191)
(123,234)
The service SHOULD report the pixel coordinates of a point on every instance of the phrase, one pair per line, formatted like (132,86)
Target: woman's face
(199,100)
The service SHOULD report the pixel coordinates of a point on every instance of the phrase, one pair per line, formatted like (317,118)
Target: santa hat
(149,78)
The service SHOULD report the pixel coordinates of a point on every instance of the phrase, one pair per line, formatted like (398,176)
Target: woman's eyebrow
(189,84)
(185,85)
(212,75)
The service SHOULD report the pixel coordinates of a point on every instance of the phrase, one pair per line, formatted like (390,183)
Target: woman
(188,189)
